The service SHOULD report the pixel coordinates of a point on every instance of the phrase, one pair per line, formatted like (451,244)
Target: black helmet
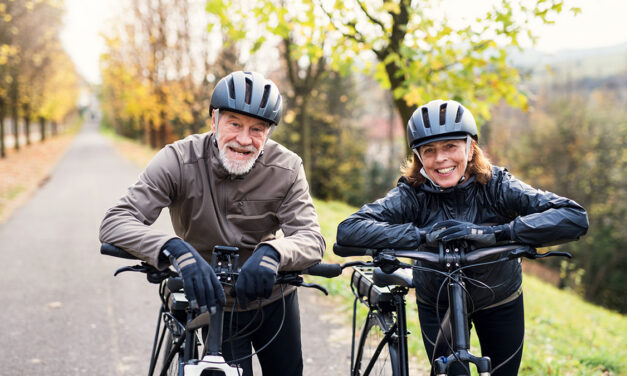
(248,93)
(440,120)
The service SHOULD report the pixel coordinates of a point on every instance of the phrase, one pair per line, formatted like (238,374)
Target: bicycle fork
(460,334)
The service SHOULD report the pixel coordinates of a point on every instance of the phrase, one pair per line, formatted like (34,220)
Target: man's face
(240,140)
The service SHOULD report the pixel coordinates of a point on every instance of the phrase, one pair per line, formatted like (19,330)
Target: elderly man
(231,186)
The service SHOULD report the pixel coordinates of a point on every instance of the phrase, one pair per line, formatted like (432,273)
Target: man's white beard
(237,167)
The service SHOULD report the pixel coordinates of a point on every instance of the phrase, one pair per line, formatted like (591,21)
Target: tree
(420,57)
(29,48)
(158,71)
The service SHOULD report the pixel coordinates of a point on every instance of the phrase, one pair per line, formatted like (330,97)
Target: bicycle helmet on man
(248,93)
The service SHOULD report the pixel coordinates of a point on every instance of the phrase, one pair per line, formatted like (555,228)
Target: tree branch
(370,17)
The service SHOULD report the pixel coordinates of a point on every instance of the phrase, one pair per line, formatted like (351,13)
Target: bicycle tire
(376,354)
(171,366)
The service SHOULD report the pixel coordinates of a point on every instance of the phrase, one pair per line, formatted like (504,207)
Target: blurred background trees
(573,143)
(38,81)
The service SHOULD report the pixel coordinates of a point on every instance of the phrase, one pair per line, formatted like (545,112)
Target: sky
(601,23)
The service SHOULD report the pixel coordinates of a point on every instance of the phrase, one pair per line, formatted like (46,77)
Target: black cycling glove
(202,287)
(257,276)
(431,235)
(483,236)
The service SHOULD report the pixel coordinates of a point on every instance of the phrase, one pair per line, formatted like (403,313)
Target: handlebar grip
(324,270)
(346,251)
(111,250)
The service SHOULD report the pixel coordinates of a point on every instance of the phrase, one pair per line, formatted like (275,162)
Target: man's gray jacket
(208,206)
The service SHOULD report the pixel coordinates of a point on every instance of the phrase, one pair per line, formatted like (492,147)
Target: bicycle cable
(249,356)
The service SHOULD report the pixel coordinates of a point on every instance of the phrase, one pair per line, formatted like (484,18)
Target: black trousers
(256,328)
(500,330)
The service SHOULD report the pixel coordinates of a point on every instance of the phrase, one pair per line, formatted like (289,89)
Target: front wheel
(377,354)
(170,362)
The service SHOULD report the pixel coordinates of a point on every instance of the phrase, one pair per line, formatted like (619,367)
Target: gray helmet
(440,120)
(248,93)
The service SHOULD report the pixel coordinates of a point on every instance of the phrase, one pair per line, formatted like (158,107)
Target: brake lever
(297,280)
(134,268)
(553,253)
(315,286)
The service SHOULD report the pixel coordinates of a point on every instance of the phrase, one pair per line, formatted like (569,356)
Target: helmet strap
(216,118)
(423,172)
(468,143)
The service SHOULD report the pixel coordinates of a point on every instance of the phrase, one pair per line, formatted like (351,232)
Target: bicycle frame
(460,333)
(453,259)
(188,366)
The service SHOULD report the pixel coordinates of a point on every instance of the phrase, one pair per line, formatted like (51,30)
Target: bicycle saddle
(400,277)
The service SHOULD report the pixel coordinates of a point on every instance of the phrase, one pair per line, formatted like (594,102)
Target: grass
(564,334)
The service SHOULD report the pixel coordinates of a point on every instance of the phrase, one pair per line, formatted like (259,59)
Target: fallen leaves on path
(21,172)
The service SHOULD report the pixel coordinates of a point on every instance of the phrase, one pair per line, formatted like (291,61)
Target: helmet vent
(264,97)
(460,112)
(249,90)
(443,114)
(231,88)
(425,117)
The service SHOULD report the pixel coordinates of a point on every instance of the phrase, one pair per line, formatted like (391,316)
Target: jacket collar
(429,187)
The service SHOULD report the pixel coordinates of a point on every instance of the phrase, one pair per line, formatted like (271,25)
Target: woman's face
(445,161)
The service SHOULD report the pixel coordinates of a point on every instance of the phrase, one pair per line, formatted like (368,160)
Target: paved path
(63,313)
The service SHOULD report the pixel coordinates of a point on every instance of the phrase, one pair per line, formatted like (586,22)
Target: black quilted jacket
(537,218)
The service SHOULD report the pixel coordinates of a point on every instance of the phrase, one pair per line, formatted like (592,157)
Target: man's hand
(202,288)
(482,236)
(257,276)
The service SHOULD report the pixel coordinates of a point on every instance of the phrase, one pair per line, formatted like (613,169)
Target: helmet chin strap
(423,172)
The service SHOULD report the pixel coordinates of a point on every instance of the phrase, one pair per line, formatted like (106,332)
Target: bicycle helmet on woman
(440,120)
(248,93)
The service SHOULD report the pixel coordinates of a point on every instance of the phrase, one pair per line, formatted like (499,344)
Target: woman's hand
(483,236)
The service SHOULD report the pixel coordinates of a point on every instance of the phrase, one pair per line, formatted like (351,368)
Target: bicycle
(190,344)
(382,286)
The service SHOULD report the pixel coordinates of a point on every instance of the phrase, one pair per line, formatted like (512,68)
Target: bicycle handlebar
(320,269)
(450,256)
(111,250)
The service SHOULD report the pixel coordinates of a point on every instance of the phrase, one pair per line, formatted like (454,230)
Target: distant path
(63,313)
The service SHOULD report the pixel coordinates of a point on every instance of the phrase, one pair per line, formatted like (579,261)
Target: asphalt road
(63,313)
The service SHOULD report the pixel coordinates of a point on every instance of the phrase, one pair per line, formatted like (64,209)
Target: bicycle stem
(214,341)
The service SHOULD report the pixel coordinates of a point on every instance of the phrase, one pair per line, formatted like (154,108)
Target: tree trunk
(42,128)
(14,113)
(2,115)
(152,134)
(26,109)
(306,135)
